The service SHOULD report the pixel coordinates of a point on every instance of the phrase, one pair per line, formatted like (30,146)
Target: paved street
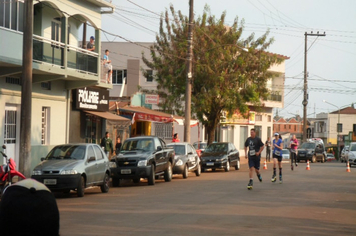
(321,201)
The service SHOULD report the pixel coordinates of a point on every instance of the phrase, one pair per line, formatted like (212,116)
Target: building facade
(59,66)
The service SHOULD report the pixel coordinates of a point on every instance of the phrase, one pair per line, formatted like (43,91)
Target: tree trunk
(211,130)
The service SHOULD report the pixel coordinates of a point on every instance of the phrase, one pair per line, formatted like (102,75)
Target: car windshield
(308,145)
(76,152)
(217,147)
(330,154)
(353,148)
(285,151)
(145,145)
(199,145)
(178,149)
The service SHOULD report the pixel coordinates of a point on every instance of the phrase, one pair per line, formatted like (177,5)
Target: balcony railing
(50,51)
(274,96)
(82,60)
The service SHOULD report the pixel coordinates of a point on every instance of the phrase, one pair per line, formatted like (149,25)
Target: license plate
(50,181)
(126,171)
(210,163)
(302,155)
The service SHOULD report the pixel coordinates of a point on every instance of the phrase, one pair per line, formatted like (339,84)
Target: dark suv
(313,151)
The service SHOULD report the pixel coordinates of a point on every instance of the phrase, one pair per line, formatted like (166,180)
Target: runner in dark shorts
(277,156)
(255,146)
(293,151)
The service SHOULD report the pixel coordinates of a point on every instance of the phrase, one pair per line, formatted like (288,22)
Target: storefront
(90,119)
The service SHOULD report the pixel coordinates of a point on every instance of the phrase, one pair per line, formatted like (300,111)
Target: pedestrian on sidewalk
(268,150)
(277,156)
(294,151)
(106,143)
(255,146)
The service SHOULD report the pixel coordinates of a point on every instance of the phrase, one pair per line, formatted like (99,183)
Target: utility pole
(188,89)
(26,92)
(305,100)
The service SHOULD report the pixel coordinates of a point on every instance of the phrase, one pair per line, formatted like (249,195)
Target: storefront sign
(238,118)
(151,99)
(152,118)
(92,99)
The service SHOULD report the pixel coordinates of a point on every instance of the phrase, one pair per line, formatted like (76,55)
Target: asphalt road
(321,201)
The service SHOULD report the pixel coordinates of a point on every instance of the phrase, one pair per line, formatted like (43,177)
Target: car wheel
(185,172)
(341,160)
(198,171)
(237,167)
(115,182)
(151,177)
(81,187)
(66,191)
(136,181)
(227,167)
(168,173)
(313,160)
(105,187)
(202,170)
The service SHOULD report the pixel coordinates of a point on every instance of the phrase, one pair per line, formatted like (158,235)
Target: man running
(293,151)
(255,146)
(277,156)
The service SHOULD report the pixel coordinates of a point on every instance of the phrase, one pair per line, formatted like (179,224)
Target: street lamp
(337,127)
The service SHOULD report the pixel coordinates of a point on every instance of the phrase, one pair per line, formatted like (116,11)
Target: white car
(351,154)
(285,155)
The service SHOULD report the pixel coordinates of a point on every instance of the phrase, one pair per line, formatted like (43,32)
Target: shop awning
(108,116)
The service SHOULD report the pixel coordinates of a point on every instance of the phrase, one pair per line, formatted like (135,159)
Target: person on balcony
(107,65)
(90,45)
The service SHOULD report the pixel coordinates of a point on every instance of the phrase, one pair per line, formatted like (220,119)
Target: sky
(331,60)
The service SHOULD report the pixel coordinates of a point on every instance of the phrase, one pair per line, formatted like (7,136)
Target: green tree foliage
(225,77)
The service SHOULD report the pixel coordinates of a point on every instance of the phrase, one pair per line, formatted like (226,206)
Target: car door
(158,155)
(192,157)
(91,167)
(232,154)
(101,163)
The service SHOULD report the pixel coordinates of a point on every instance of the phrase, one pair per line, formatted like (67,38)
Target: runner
(255,146)
(293,151)
(277,156)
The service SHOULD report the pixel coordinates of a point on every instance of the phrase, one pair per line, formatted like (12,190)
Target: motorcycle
(7,172)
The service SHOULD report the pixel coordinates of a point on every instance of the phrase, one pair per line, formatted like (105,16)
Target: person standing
(175,138)
(106,143)
(277,156)
(107,65)
(90,44)
(294,150)
(255,146)
(117,146)
(268,149)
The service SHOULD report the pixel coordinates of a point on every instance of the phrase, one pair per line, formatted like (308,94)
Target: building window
(258,130)
(149,76)
(56,30)
(285,126)
(243,136)
(290,127)
(295,127)
(258,117)
(46,85)
(118,76)
(11,80)
(269,118)
(11,14)
(163,130)
(45,125)
(10,126)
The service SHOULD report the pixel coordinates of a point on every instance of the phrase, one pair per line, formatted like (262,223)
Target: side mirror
(42,158)
(91,159)
(159,148)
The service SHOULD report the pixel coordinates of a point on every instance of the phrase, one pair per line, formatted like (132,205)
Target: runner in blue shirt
(277,156)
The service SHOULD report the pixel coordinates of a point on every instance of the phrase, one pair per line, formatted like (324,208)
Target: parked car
(285,155)
(330,157)
(142,157)
(186,159)
(200,147)
(220,156)
(343,154)
(351,154)
(74,167)
(313,150)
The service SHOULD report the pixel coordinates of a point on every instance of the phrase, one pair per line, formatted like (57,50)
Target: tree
(225,77)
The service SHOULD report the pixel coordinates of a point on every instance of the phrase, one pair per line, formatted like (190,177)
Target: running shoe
(280,179)
(259,177)
(250,185)
(291,167)
(273,178)
(296,164)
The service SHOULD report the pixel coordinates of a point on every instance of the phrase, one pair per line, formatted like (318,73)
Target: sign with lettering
(151,99)
(94,99)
